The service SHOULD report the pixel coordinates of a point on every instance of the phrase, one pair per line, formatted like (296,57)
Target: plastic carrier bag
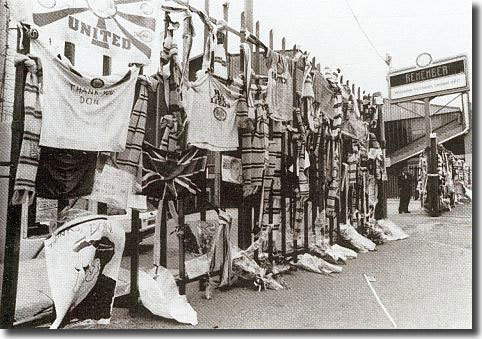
(392,231)
(340,250)
(159,294)
(316,265)
(361,244)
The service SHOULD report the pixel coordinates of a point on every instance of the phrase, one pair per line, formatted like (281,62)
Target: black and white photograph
(236,164)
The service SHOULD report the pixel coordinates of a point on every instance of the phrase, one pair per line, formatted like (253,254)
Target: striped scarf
(352,162)
(255,150)
(130,159)
(273,177)
(332,146)
(28,161)
(173,125)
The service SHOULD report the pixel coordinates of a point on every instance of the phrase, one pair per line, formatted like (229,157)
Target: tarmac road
(425,282)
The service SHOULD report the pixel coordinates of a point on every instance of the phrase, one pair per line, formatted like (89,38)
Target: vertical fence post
(182,267)
(256,211)
(315,197)
(134,252)
(244,211)
(206,29)
(10,256)
(285,146)
(296,104)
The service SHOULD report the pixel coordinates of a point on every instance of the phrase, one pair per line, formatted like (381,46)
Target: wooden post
(432,160)
(296,104)
(244,211)
(206,30)
(106,70)
(163,235)
(182,267)
(270,220)
(203,196)
(306,225)
(248,12)
(10,233)
(338,208)
(428,121)
(347,196)
(257,58)
(283,195)
(331,229)
(226,19)
(69,52)
(284,183)
(134,269)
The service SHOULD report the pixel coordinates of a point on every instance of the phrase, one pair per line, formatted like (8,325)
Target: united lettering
(100,37)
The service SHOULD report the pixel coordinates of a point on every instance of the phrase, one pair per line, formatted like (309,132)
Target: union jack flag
(168,177)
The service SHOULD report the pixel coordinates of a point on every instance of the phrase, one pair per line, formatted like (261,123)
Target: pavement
(424,282)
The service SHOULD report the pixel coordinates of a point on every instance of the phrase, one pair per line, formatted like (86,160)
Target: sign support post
(428,80)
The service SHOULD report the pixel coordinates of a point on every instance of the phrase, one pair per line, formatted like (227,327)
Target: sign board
(112,186)
(46,210)
(442,77)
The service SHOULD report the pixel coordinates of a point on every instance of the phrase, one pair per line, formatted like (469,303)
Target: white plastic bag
(159,294)
(392,231)
(359,242)
(316,265)
(326,253)
(348,253)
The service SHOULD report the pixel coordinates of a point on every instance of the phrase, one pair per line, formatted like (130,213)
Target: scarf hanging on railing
(225,250)
(130,159)
(28,161)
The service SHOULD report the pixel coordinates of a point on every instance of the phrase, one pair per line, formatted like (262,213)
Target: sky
(328,31)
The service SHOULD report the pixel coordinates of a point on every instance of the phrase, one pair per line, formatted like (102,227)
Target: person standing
(405,188)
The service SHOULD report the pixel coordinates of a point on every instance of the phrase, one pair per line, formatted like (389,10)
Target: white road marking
(379,301)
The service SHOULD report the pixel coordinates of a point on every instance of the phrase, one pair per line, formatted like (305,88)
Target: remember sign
(440,78)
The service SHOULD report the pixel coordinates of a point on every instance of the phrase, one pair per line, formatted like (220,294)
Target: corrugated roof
(410,110)
(444,134)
